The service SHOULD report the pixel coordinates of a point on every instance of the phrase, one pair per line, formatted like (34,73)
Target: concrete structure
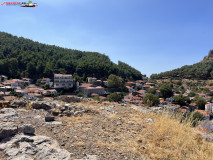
(63,81)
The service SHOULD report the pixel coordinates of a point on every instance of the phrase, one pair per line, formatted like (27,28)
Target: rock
(78,113)
(49,117)
(41,105)
(25,147)
(69,113)
(149,120)
(89,157)
(18,103)
(8,114)
(62,109)
(28,129)
(7,130)
(55,113)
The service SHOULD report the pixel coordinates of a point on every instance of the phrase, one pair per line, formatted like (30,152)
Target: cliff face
(209,57)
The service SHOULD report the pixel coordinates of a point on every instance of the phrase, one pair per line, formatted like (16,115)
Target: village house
(27,80)
(209,87)
(150,84)
(88,89)
(206,114)
(130,89)
(9,98)
(49,91)
(193,106)
(146,87)
(130,98)
(208,98)
(130,84)
(105,83)
(98,82)
(91,79)
(3,78)
(63,81)
(34,95)
(45,81)
(140,82)
(157,93)
(209,107)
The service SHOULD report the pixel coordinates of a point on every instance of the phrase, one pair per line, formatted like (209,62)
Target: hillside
(97,131)
(202,70)
(20,57)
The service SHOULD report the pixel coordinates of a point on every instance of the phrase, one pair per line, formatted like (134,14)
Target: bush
(151,100)
(115,97)
(80,94)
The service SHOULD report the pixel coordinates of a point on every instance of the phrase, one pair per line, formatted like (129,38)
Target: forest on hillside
(202,70)
(21,57)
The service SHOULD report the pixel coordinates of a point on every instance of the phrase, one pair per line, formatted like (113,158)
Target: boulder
(49,117)
(25,147)
(41,105)
(7,130)
(69,113)
(8,114)
(62,109)
(28,129)
(18,103)
(78,113)
(55,112)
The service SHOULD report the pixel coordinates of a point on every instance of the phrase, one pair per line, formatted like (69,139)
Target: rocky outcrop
(209,57)
(28,129)
(8,114)
(49,117)
(33,148)
(7,130)
(41,105)
(18,103)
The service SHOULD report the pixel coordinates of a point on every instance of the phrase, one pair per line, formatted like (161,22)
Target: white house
(63,81)
(209,107)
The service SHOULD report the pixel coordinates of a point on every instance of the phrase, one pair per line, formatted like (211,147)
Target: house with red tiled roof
(87,89)
(49,91)
(3,78)
(206,114)
(145,87)
(130,89)
(9,98)
(208,98)
(130,98)
(45,81)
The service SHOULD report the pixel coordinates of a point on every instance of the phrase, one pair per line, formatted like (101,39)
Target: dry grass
(28,107)
(79,144)
(168,139)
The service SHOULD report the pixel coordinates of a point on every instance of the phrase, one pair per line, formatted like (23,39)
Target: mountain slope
(21,57)
(201,70)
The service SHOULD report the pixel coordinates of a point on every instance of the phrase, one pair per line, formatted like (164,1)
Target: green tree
(200,102)
(181,100)
(115,97)
(115,81)
(166,90)
(151,100)
(192,94)
(46,86)
(151,90)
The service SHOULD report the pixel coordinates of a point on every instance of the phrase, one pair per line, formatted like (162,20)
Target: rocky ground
(58,130)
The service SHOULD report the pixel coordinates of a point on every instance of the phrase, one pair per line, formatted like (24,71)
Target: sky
(153,36)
